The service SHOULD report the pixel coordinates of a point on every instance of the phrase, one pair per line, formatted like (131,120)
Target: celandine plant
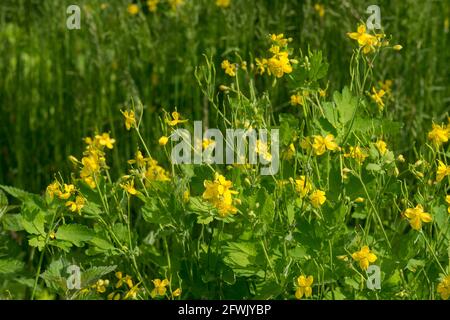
(335,218)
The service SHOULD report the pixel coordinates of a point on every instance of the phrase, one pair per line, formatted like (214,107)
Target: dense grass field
(87,182)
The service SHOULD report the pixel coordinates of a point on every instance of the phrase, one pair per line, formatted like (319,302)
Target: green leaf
(414,264)
(373,167)
(32,220)
(152,212)
(90,276)
(75,233)
(8,266)
(52,276)
(12,222)
(346,105)
(24,196)
(37,241)
(3,204)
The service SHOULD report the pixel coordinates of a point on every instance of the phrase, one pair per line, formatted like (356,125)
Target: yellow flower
(174,4)
(220,194)
(160,287)
(261,65)
(439,134)
(69,189)
(100,285)
(278,66)
(359,200)
(443,288)
(302,186)
(155,172)
(132,293)
(296,100)
(176,119)
(114,296)
(442,171)
(447,199)
(223,3)
(207,142)
(377,97)
(356,153)
(397,47)
(133,9)
(152,5)
(176,293)
(321,144)
(262,149)
(304,286)
(317,198)
(381,146)
(320,9)
(129,187)
(53,189)
(230,68)
(323,92)
(279,39)
(416,216)
(364,257)
(105,140)
(163,141)
(77,205)
(123,280)
(366,41)
(130,119)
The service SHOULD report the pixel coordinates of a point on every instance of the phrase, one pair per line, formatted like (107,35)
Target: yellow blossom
(322,144)
(100,285)
(320,9)
(416,216)
(443,288)
(366,41)
(219,194)
(132,293)
(230,68)
(439,134)
(129,187)
(123,280)
(163,140)
(304,286)
(223,3)
(442,171)
(130,119)
(152,5)
(364,257)
(296,100)
(105,140)
(447,199)
(176,119)
(397,47)
(160,287)
(303,186)
(381,147)
(377,96)
(133,9)
(356,153)
(77,205)
(68,190)
(53,189)
(317,198)
(176,293)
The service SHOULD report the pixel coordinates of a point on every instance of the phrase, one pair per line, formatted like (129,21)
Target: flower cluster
(220,194)
(439,134)
(279,63)
(74,200)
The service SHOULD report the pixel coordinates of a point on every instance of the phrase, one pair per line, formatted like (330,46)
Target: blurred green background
(59,85)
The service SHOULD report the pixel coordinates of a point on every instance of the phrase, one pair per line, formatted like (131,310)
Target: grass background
(59,85)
